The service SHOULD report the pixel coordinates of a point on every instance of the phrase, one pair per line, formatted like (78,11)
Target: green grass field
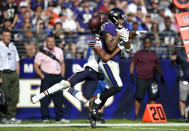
(82,125)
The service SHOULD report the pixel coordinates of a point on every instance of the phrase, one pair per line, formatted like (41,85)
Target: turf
(105,128)
(97,129)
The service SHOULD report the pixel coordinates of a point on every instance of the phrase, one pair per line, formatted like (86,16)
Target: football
(94,22)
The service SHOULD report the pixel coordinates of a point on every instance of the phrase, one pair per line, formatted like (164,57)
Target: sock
(77,94)
(59,86)
(72,91)
(98,101)
(80,97)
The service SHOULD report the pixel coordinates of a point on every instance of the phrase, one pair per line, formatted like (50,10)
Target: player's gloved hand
(92,43)
(124,34)
(129,50)
(132,78)
(122,47)
(141,32)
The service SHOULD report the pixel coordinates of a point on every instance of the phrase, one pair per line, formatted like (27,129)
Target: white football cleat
(37,97)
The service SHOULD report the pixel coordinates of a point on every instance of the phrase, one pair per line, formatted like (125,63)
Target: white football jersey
(94,59)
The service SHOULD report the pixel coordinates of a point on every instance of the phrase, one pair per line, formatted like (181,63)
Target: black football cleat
(92,120)
(94,108)
(100,119)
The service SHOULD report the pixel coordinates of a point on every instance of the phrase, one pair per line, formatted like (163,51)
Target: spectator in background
(130,17)
(82,46)
(112,5)
(148,22)
(41,33)
(84,16)
(122,5)
(168,34)
(102,15)
(75,7)
(132,7)
(105,6)
(30,50)
(140,18)
(162,25)
(153,10)
(66,11)
(139,15)
(23,14)
(147,65)
(157,44)
(159,18)
(49,16)
(10,12)
(9,70)
(27,32)
(59,34)
(19,45)
(50,74)
(69,26)
(6,24)
(26,18)
(58,7)
(166,4)
(180,58)
(37,15)
(155,34)
(36,3)
(94,4)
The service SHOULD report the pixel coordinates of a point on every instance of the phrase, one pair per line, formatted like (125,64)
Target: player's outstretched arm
(105,56)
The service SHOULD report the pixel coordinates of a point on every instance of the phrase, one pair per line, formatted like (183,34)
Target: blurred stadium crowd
(31,21)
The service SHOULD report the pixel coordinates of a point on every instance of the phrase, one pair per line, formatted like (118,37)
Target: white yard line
(100,125)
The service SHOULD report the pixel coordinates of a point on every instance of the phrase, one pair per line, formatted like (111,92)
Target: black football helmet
(115,14)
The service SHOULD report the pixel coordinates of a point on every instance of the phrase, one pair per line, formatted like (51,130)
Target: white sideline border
(99,125)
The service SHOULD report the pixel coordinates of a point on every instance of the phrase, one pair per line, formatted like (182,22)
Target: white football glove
(124,34)
(122,47)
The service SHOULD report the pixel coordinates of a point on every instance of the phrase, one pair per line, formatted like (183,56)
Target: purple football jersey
(83,18)
(111,29)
